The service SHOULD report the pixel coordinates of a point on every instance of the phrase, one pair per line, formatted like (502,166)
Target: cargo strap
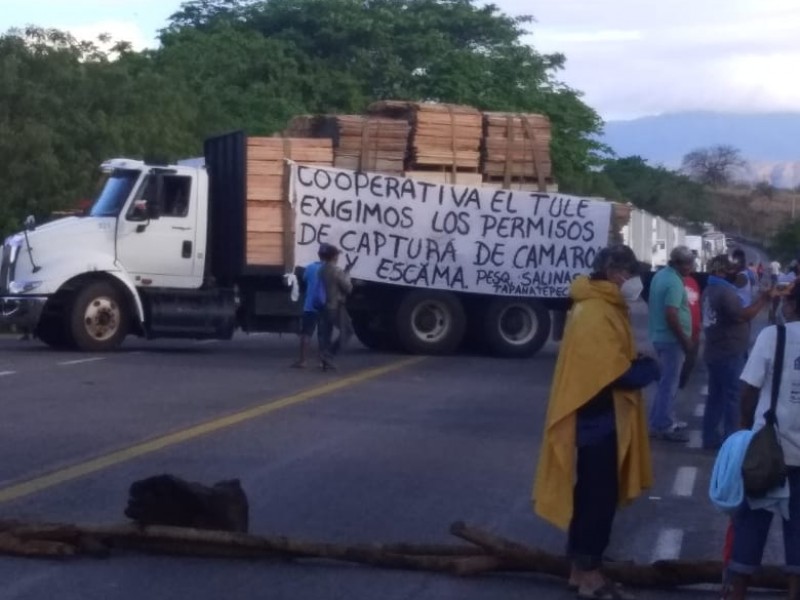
(537,159)
(365,139)
(453,143)
(509,151)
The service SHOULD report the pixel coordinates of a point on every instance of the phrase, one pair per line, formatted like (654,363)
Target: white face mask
(632,289)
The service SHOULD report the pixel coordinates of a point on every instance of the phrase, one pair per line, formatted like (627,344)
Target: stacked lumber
(443,136)
(360,143)
(270,222)
(517,148)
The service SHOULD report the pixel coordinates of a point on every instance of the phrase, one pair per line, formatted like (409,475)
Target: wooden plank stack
(270,222)
(443,136)
(517,149)
(360,143)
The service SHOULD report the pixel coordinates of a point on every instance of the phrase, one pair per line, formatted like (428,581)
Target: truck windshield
(115,189)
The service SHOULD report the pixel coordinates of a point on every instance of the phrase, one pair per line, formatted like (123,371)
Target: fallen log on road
(487,553)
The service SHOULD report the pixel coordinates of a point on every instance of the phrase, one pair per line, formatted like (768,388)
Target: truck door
(156,237)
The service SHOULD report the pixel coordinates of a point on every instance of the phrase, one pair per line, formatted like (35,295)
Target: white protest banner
(481,240)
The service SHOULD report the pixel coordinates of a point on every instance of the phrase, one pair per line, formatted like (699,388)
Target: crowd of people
(595,452)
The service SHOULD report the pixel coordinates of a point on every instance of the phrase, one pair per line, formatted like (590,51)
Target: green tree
(351,52)
(658,190)
(785,245)
(64,107)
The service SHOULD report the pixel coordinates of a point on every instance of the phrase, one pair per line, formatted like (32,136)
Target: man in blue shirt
(310,309)
(670,330)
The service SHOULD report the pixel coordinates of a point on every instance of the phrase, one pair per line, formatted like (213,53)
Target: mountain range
(769,142)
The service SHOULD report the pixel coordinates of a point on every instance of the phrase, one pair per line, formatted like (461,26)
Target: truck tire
(515,327)
(369,332)
(430,322)
(99,318)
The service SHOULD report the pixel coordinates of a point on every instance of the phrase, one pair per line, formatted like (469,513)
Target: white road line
(684,482)
(704,391)
(699,410)
(668,545)
(81,361)
(7,373)
(695,439)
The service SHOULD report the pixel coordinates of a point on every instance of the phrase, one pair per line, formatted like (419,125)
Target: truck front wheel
(98,319)
(430,322)
(515,328)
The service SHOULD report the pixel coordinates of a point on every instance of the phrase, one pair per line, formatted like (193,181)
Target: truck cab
(87,281)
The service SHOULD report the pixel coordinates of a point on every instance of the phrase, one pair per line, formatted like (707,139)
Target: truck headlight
(23,287)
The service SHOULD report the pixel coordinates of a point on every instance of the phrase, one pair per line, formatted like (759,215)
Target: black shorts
(309,326)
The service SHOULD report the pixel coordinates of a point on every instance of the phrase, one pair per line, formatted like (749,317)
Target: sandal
(607,591)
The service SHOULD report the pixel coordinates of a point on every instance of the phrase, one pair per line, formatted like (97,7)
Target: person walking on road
(596,416)
(312,304)
(751,525)
(334,316)
(727,329)
(670,330)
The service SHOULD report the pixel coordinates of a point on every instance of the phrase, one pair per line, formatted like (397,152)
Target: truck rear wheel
(430,322)
(515,327)
(98,318)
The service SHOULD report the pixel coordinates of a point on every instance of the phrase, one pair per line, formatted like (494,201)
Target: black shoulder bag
(764,468)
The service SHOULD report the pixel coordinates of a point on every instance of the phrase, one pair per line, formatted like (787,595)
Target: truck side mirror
(30,223)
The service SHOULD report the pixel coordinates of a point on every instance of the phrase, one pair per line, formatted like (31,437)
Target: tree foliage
(715,166)
(785,244)
(658,190)
(65,104)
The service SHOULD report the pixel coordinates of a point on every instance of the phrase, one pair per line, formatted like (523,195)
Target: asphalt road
(389,449)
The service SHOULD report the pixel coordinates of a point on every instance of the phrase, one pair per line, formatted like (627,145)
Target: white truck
(652,238)
(173,252)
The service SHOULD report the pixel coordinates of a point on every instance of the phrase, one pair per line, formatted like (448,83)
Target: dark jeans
(595,503)
(722,404)
(330,320)
(326,326)
(751,530)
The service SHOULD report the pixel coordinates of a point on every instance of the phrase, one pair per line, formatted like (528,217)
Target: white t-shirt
(775,267)
(758,373)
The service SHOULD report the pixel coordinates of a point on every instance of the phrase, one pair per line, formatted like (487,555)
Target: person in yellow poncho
(595,453)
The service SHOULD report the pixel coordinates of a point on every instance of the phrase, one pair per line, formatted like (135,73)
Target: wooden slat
(265,217)
(265,249)
(459,178)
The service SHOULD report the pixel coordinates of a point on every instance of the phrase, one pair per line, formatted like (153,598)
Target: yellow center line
(75,471)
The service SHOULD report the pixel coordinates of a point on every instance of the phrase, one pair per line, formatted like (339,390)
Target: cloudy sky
(630,57)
